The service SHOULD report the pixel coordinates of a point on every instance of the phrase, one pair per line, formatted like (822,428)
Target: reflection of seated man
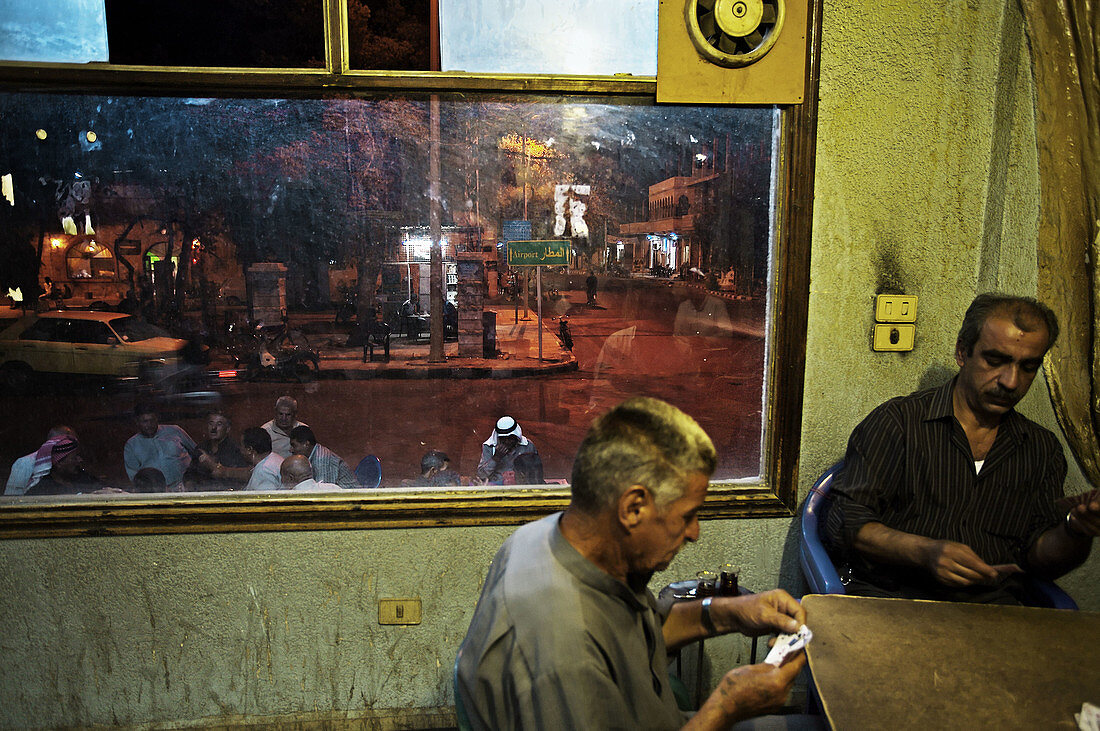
(286,418)
(499,452)
(946,493)
(617,353)
(410,316)
(256,447)
(224,467)
(529,469)
(165,447)
(701,320)
(327,465)
(566,634)
(24,474)
(297,474)
(435,471)
(701,315)
(149,479)
(67,475)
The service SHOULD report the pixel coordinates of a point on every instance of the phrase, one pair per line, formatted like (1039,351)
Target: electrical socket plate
(399,611)
(894,337)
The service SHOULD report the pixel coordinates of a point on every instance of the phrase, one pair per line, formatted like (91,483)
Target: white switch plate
(895,308)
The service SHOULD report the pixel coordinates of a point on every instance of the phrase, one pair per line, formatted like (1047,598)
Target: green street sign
(538,253)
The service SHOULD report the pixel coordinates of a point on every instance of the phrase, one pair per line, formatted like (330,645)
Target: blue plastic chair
(369,471)
(817,566)
(822,575)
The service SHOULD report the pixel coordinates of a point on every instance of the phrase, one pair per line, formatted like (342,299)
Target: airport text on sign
(538,253)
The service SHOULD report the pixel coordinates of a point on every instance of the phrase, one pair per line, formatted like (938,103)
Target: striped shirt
(328,467)
(909,467)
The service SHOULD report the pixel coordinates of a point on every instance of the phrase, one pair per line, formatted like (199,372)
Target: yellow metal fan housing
(734,33)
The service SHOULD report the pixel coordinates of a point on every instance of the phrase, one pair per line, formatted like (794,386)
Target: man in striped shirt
(327,465)
(949,493)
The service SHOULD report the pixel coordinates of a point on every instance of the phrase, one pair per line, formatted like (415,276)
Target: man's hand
(1084,517)
(758,614)
(956,564)
(207,461)
(1067,545)
(747,692)
(950,563)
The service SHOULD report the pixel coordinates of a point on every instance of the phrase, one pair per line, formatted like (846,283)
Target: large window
(684,279)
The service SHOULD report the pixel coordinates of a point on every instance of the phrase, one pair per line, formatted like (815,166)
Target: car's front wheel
(16,377)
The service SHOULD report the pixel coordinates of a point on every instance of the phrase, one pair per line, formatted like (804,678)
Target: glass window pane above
(565,37)
(60,31)
(390,35)
(240,33)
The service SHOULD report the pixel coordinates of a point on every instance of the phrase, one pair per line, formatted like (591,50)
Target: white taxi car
(97,344)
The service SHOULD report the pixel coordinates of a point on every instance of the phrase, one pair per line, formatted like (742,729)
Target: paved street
(624,347)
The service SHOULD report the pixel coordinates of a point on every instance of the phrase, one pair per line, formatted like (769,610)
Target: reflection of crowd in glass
(282,454)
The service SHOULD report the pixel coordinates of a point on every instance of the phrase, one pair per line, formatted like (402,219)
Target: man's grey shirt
(557,643)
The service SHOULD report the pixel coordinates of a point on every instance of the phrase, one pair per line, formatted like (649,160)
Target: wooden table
(897,663)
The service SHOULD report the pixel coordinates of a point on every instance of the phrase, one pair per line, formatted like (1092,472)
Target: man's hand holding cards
(786,645)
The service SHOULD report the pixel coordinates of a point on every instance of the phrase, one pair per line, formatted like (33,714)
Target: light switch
(894,337)
(399,611)
(895,308)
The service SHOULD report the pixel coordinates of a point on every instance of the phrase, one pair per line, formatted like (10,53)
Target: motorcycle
(564,335)
(277,352)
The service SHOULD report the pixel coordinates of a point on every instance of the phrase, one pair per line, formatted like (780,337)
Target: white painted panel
(73,31)
(564,37)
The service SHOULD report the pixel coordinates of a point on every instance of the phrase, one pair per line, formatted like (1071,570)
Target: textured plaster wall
(225,627)
(926,183)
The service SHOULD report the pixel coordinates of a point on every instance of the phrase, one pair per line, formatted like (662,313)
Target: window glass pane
(45,329)
(81,331)
(321,208)
(59,31)
(564,37)
(135,329)
(389,34)
(267,34)
(90,260)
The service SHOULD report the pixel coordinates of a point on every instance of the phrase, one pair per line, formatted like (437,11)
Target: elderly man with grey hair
(279,428)
(566,633)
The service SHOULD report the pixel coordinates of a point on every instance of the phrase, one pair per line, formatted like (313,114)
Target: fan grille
(734,33)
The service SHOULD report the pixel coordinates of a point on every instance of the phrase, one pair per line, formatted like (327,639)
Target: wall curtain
(1063,36)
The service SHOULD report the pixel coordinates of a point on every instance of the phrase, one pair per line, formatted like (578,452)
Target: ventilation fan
(734,33)
(731,51)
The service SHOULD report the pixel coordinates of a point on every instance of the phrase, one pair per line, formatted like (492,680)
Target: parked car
(104,345)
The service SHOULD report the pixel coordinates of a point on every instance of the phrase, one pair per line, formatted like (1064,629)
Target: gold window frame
(773,495)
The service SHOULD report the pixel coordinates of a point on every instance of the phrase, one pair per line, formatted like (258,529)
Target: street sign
(538,253)
(516,230)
